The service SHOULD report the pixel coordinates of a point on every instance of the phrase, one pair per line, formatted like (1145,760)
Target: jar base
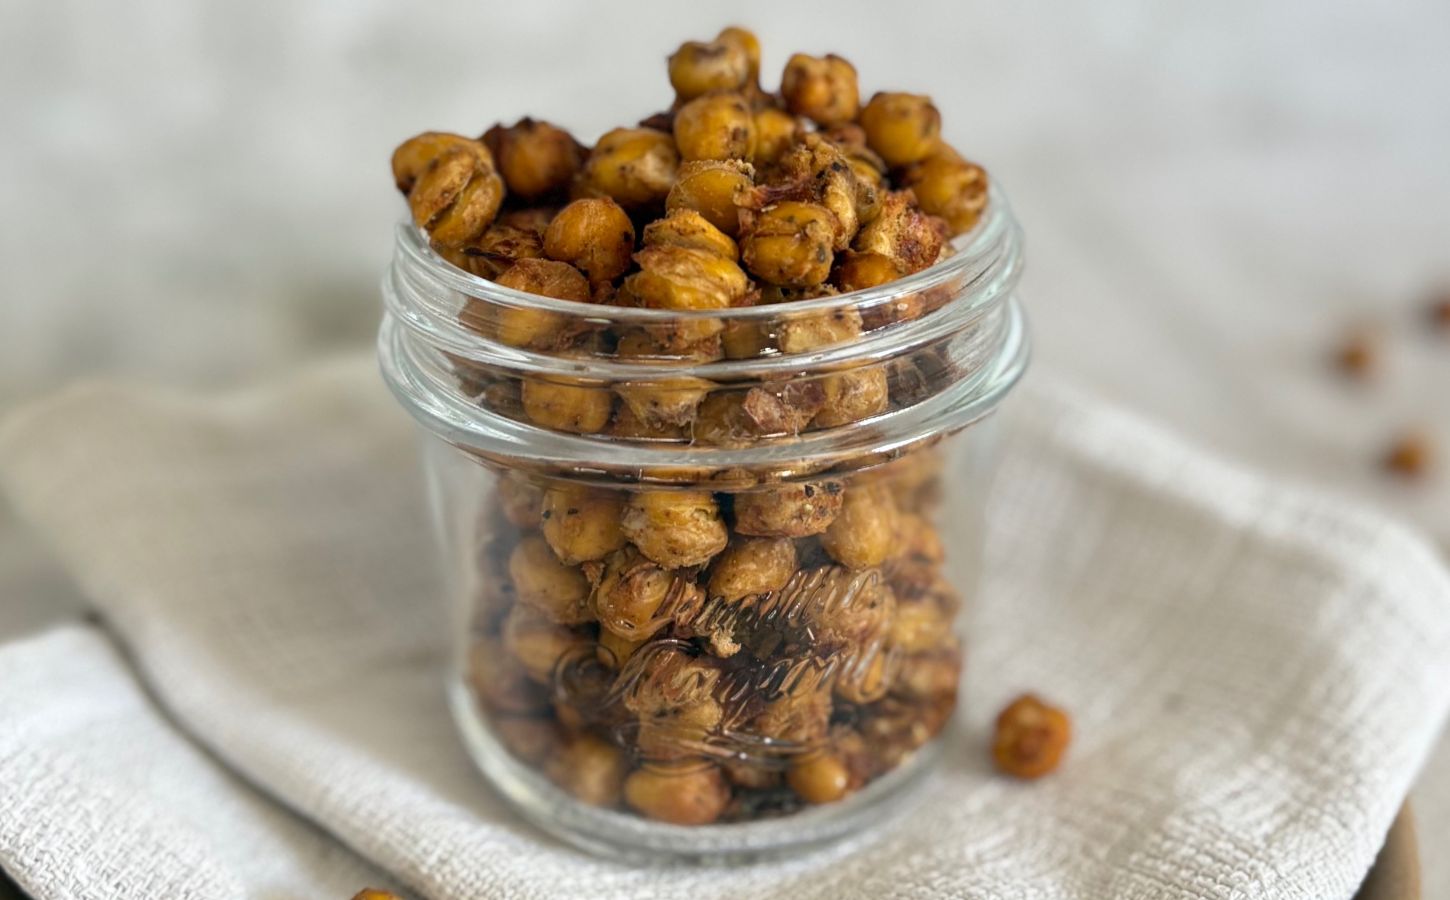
(623,837)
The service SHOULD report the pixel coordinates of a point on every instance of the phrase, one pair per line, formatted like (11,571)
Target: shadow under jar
(707,567)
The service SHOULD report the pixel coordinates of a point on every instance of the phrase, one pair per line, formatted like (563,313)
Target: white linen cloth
(1255,673)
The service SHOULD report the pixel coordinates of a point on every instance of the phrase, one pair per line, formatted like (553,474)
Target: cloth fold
(1255,672)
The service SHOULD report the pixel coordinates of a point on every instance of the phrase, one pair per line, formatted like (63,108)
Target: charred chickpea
(715,188)
(1031,737)
(635,166)
(723,64)
(822,89)
(590,768)
(525,326)
(534,157)
(594,234)
(790,244)
(453,189)
(819,778)
(688,792)
(715,126)
(901,128)
(751,566)
(556,589)
(675,528)
(581,523)
(688,228)
(658,402)
(948,186)
(788,510)
(539,643)
(902,233)
(575,408)
(865,532)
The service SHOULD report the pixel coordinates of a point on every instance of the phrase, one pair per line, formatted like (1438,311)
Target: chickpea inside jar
(707,414)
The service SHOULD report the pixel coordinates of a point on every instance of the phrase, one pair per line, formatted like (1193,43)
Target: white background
(1212,193)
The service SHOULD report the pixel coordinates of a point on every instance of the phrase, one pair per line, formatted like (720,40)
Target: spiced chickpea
(534,157)
(751,566)
(554,588)
(658,402)
(745,340)
(531,218)
(822,89)
(1031,737)
(525,326)
(686,278)
(614,651)
(582,523)
(688,228)
(625,424)
(673,696)
(788,510)
(799,717)
(902,233)
(453,189)
(721,421)
(749,43)
(715,126)
(790,244)
(632,594)
(594,234)
(949,187)
(775,131)
(901,128)
(817,171)
(635,166)
(864,534)
(675,528)
(853,395)
(918,627)
(590,768)
(579,409)
(687,792)
(819,778)
(538,643)
(500,247)
(720,65)
(714,188)
(812,331)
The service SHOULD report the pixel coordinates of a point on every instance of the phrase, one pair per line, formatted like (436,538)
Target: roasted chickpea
(715,126)
(452,187)
(375,894)
(775,131)
(614,651)
(672,277)
(788,510)
(800,716)
(901,128)
(663,402)
(635,166)
(902,233)
(819,778)
(919,627)
(747,41)
(534,157)
(591,769)
(784,407)
(675,528)
(1031,737)
(500,681)
(714,188)
(751,775)
(821,88)
(817,171)
(865,532)
(522,501)
(811,331)
(688,228)
(636,597)
(539,643)
(500,247)
(567,407)
(524,326)
(721,65)
(555,589)
(853,395)
(673,695)
(752,566)
(593,233)
(867,679)
(791,244)
(855,611)
(857,271)
(745,340)
(688,792)
(628,426)
(920,542)
(532,739)
(948,186)
(931,676)
(721,421)
(531,218)
(582,523)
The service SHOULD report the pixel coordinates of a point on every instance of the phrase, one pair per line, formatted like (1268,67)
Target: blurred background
(1213,194)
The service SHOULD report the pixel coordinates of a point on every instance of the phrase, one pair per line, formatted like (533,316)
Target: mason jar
(707,568)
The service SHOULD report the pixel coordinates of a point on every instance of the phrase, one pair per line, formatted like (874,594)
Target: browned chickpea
(532,218)
(635,166)
(821,88)
(788,510)
(751,775)
(500,247)
(614,651)
(722,421)
(1031,737)
(688,228)
(819,778)
(784,407)
(721,65)
(675,528)
(540,644)
(715,188)
(801,716)
(524,326)
(593,233)
(811,331)
(817,171)
(582,523)
(534,157)
(902,128)
(865,532)
(948,186)
(555,589)
(375,894)
(715,126)
(902,233)
(936,674)
(865,680)
(775,131)
(688,792)
(856,271)
(745,340)
(686,278)
(919,627)
(628,426)
(856,611)
(674,697)
(751,566)
(664,402)
(590,768)
(790,244)
(532,739)
(501,681)
(522,501)
(452,187)
(852,396)
(634,596)
(747,41)
(575,408)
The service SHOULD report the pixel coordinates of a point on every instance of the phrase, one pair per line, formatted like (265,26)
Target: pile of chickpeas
(728,646)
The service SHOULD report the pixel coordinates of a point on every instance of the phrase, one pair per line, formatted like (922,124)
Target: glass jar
(707,567)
